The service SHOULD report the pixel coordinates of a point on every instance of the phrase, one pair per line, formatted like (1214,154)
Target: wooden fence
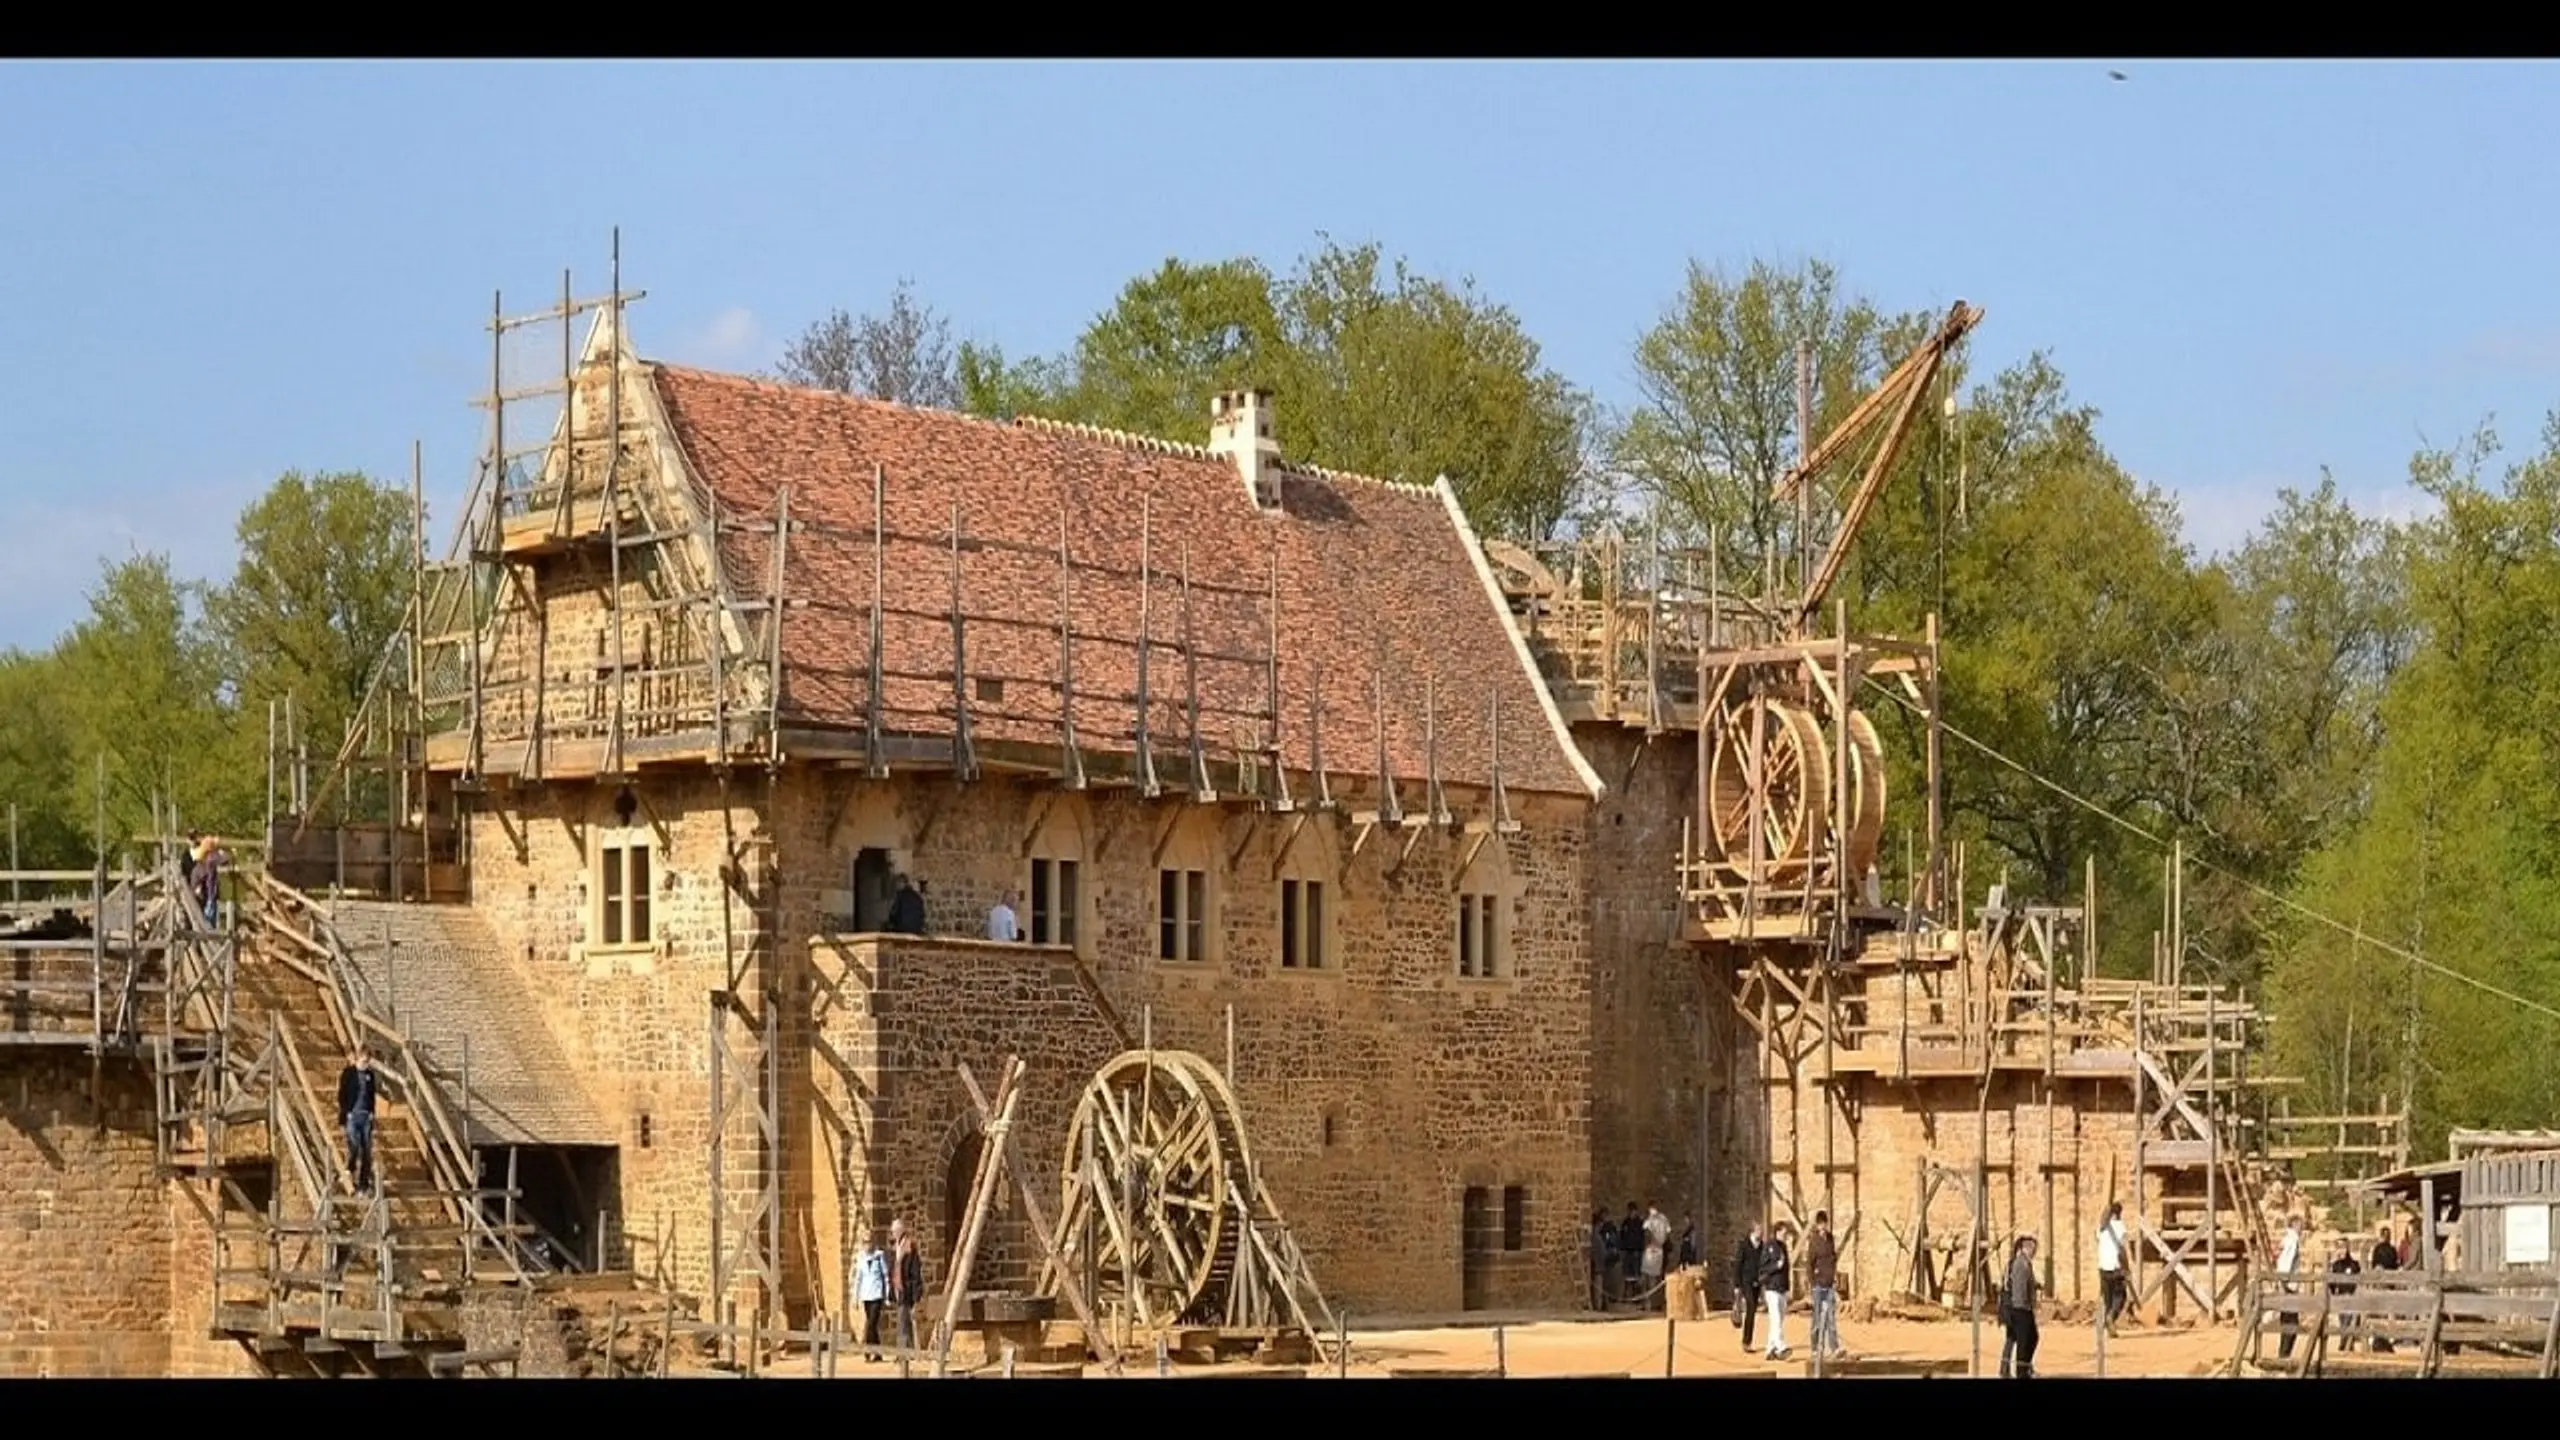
(2403,1322)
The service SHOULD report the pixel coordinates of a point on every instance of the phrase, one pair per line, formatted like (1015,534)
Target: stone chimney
(1240,430)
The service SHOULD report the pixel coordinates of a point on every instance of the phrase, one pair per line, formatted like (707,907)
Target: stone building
(1232,737)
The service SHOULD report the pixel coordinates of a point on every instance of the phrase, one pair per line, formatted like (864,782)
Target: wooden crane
(1901,390)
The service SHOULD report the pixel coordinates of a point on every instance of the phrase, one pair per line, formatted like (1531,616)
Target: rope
(2244,882)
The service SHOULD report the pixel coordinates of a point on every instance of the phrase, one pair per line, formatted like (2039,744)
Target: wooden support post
(1003,1148)
(1934,899)
(1146,757)
(1071,756)
(2212,1166)
(981,1198)
(964,751)
(874,764)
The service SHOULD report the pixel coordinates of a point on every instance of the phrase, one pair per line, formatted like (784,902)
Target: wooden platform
(1888,1367)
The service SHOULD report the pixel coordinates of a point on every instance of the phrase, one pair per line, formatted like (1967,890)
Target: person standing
(1688,1242)
(906,1281)
(2018,1311)
(2342,1265)
(1604,1257)
(1746,1284)
(210,857)
(2288,1264)
(358,1086)
(1822,1276)
(1657,1241)
(2111,1248)
(1001,925)
(2386,1256)
(870,1291)
(1773,1286)
(1631,1254)
(906,908)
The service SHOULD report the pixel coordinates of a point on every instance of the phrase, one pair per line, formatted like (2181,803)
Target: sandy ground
(1531,1347)
(1640,1347)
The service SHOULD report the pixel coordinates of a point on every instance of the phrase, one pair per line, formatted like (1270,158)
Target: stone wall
(84,1222)
(1376,1089)
(1425,1082)
(634,1020)
(1652,1050)
(2052,1153)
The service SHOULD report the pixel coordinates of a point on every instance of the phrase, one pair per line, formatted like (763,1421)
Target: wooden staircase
(312,1276)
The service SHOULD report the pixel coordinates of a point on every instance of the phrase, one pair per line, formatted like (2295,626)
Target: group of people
(882,1279)
(1629,1256)
(1763,1270)
(2394,1248)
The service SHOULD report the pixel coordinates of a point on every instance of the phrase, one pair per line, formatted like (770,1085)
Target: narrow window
(1515,1216)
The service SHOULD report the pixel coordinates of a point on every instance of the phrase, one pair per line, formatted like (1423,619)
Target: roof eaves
(1563,734)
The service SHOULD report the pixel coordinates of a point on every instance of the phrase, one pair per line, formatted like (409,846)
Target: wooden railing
(2403,1322)
(361,1018)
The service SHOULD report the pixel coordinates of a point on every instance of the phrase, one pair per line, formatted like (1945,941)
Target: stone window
(1182,915)
(621,914)
(1515,1216)
(1302,925)
(1056,894)
(1480,938)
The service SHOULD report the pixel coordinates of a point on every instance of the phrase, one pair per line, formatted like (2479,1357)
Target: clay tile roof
(1377,584)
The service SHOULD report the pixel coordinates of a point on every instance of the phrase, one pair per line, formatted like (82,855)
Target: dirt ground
(1531,1347)
(1713,1348)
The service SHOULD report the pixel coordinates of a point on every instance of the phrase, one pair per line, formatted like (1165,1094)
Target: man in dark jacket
(1746,1284)
(1688,1242)
(906,1281)
(1822,1276)
(1604,1258)
(2386,1256)
(2018,1311)
(357,1086)
(1631,1252)
(906,908)
(2343,1263)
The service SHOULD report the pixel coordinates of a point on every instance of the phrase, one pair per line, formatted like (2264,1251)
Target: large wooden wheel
(1168,1139)
(1866,793)
(1770,759)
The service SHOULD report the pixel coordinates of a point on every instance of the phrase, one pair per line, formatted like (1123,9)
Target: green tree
(37,772)
(322,584)
(2452,855)
(139,683)
(1374,369)
(1716,378)
(1404,377)
(1173,339)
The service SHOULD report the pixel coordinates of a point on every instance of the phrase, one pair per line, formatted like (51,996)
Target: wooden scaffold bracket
(1070,755)
(1278,796)
(874,758)
(964,748)
(1201,789)
(1148,786)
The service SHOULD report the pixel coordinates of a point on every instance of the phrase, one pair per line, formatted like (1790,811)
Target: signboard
(2528,1239)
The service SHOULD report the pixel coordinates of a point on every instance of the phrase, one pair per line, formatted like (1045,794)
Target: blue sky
(214,273)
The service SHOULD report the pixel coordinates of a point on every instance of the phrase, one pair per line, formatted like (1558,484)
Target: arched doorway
(956,1185)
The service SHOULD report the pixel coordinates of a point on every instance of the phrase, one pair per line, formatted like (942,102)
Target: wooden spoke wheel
(1167,1138)
(1769,760)
(1866,794)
